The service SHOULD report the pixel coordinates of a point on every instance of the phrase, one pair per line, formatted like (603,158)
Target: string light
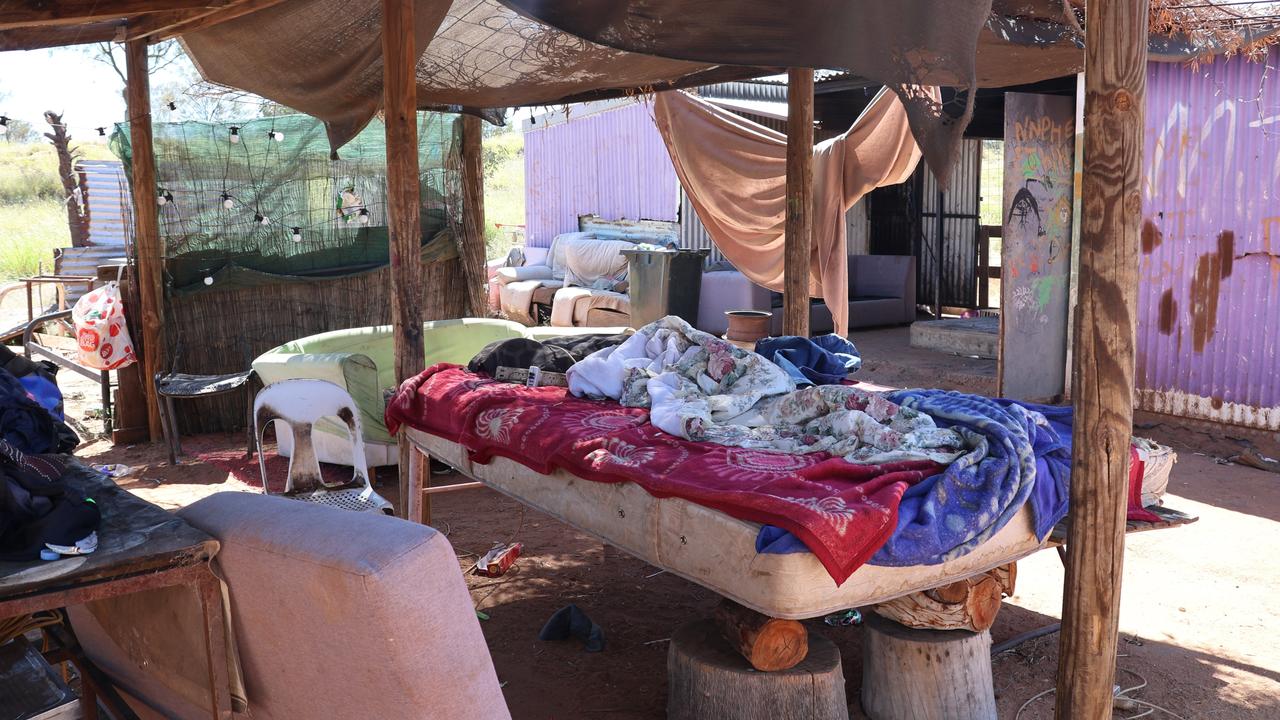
(164,197)
(173,105)
(208,280)
(276,135)
(102,132)
(235,134)
(227,202)
(297,234)
(364,216)
(261,219)
(4,125)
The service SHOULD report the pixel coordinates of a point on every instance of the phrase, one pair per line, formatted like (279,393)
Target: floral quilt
(702,388)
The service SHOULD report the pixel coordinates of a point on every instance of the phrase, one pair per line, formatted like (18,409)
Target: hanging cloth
(735,174)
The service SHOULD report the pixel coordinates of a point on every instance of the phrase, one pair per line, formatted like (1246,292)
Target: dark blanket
(554,354)
(823,360)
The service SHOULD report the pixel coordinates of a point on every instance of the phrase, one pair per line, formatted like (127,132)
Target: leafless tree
(72,184)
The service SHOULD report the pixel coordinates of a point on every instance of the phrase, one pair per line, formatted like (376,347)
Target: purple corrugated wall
(1209,299)
(611,163)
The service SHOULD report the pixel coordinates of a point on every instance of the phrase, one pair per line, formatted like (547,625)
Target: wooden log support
(709,680)
(798,243)
(1103,360)
(400,109)
(472,246)
(767,643)
(969,604)
(146,224)
(925,674)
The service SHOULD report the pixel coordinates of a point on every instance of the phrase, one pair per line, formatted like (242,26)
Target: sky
(64,80)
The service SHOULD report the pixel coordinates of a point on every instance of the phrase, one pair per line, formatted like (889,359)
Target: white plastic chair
(299,404)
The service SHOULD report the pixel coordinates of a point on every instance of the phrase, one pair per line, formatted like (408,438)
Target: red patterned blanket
(843,512)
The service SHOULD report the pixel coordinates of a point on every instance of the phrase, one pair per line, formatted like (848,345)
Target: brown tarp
(735,174)
(324,58)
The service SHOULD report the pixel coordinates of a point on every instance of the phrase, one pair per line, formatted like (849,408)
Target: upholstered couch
(361,360)
(882,291)
(335,614)
(581,276)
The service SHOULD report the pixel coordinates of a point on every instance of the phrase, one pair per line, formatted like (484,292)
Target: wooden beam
(1115,103)
(799,227)
(400,108)
(33,38)
(72,12)
(160,28)
(473,247)
(146,224)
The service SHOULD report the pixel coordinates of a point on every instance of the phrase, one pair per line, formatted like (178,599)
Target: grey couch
(882,291)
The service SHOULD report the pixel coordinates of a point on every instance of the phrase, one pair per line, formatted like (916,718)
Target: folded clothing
(822,360)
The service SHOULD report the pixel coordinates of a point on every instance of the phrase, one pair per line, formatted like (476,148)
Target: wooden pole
(1115,98)
(473,246)
(400,108)
(939,224)
(799,228)
(146,224)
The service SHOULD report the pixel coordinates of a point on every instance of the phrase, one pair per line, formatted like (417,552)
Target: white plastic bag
(101,334)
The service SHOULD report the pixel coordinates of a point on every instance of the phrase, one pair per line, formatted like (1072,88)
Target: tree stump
(709,680)
(969,604)
(925,674)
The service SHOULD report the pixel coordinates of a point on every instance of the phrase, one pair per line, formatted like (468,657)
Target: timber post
(146,224)
(400,108)
(472,250)
(1102,387)
(799,225)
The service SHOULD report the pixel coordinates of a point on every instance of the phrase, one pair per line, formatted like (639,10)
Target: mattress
(713,549)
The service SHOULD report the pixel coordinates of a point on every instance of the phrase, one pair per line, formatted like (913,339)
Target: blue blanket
(823,360)
(1019,453)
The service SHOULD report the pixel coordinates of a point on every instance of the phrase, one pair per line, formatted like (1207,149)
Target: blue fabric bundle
(1018,453)
(823,360)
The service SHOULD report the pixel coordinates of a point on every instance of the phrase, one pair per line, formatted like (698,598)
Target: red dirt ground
(1198,621)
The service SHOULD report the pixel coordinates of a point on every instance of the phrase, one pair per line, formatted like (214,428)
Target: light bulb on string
(235,134)
(364,216)
(173,105)
(163,197)
(227,202)
(208,279)
(297,234)
(102,132)
(276,135)
(4,125)
(261,219)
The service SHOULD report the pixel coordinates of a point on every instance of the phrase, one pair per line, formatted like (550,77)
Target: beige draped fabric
(735,174)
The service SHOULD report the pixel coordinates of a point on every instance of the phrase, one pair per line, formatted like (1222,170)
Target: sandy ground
(1198,622)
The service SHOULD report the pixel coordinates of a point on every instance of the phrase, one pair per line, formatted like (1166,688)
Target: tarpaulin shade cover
(735,174)
(324,57)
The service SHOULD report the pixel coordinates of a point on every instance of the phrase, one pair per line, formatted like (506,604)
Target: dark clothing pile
(35,510)
(822,360)
(556,354)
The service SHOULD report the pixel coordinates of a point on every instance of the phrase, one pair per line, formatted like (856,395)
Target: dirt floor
(1198,623)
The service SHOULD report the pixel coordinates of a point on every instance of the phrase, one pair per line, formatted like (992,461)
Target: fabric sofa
(335,614)
(882,291)
(362,361)
(579,276)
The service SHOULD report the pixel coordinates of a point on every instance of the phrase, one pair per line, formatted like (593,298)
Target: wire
(13,627)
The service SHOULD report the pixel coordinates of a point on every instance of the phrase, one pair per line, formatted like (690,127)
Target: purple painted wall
(610,163)
(1209,299)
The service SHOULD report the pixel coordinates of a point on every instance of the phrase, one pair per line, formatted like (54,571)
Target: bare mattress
(713,549)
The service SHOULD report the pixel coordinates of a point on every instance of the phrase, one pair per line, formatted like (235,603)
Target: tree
(72,183)
(159,56)
(19,131)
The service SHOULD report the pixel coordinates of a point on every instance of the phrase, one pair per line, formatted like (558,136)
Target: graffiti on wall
(1039,155)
